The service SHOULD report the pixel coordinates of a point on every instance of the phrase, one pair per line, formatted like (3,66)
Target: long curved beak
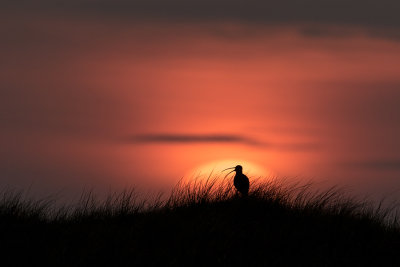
(229,172)
(228,169)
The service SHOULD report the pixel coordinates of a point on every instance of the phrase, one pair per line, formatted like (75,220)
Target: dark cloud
(187,138)
(359,12)
(219,138)
(314,18)
(375,165)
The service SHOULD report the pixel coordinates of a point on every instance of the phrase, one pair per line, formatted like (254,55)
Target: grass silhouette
(201,223)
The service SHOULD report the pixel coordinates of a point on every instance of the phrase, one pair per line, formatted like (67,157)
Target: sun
(215,168)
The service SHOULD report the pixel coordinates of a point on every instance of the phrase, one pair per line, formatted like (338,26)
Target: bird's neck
(239,172)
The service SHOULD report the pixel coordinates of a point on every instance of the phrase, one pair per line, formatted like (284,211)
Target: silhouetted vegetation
(201,223)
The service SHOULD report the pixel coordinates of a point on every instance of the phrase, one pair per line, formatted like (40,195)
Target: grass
(201,223)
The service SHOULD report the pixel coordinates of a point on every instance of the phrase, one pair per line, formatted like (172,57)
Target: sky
(142,93)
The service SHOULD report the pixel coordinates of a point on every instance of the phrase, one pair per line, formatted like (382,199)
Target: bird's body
(241,181)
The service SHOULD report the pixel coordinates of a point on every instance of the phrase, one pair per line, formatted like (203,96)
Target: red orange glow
(305,103)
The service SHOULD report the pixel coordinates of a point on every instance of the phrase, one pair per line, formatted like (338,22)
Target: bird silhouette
(241,181)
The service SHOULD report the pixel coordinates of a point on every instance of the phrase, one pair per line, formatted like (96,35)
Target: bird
(241,181)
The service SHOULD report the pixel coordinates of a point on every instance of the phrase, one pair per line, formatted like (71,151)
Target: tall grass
(297,197)
(16,205)
(201,222)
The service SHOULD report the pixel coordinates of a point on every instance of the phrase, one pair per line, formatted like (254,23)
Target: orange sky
(78,95)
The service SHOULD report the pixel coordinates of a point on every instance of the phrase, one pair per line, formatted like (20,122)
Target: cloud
(375,164)
(362,13)
(312,18)
(218,138)
(190,138)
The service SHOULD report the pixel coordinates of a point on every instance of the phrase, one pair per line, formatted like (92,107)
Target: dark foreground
(267,228)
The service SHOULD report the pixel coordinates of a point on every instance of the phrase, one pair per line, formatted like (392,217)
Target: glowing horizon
(147,102)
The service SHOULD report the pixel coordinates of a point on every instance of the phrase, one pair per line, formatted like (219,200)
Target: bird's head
(238,168)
